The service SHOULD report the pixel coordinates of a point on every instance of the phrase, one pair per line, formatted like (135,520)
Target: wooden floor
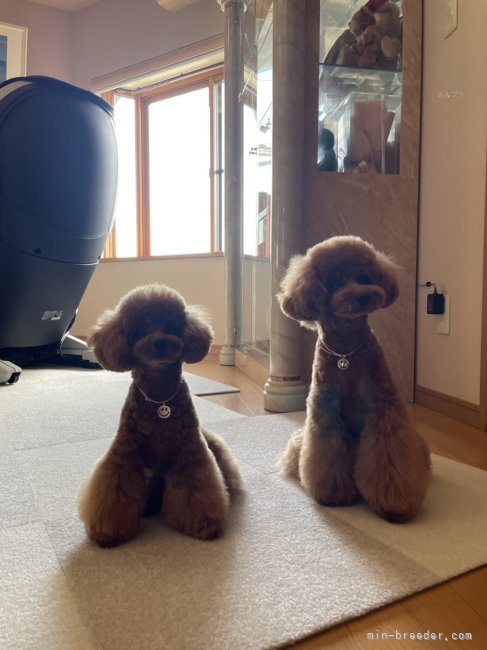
(456,607)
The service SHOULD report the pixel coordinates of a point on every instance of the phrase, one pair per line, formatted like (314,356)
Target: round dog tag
(343,363)
(164,411)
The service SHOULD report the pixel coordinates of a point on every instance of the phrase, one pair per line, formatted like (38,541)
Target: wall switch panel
(443,323)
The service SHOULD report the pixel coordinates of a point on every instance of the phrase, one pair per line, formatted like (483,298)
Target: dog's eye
(172,329)
(139,333)
(333,284)
(364,279)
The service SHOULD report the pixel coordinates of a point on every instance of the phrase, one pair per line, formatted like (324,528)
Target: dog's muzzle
(353,299)
(158,349)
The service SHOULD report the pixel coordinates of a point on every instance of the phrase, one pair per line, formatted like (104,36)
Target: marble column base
(284,396)
(227,356)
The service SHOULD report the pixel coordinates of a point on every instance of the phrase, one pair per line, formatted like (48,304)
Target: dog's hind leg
(225,460)
(112,501)
(289,462)
(392,470)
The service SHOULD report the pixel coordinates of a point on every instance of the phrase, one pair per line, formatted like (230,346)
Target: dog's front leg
(327,454)
(195,500)
(112,501)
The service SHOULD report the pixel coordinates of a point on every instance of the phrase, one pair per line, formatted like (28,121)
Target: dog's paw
(109,542)
(108,533)
(340,491)
(210,528)
(395,505)
(105,540)
(397,517)
(207,528)
(338,500)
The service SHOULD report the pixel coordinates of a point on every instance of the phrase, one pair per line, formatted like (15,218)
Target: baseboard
(214,351)
(451,406)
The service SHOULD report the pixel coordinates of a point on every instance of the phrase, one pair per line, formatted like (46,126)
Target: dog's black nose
(160,346)
(364,300)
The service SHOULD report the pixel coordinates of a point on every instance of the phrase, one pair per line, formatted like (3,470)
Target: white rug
(286,567)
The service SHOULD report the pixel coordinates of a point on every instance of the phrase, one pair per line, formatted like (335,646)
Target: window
(126,207)
(170,168)
(179,188)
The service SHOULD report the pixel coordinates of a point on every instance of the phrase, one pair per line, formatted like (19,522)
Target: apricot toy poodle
(161,458)
(357,441)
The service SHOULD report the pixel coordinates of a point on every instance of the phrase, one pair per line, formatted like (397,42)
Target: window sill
(155,258)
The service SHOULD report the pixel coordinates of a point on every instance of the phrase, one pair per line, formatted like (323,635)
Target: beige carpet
(286,567)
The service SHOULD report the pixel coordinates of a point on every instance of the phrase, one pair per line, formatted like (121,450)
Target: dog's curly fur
(357,441)
(152,464)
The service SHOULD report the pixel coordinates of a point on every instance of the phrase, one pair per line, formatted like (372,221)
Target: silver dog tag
(164,412)
(343,363)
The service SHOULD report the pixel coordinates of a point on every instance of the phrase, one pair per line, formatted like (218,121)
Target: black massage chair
(58,180)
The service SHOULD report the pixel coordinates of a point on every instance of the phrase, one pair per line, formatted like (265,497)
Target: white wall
(452,199)
(106,36)
(114,34)
(199,280)
(49,40)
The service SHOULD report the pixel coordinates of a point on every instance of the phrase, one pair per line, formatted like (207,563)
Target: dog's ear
(109,343)
(197,335)
(388,272)
(302,294)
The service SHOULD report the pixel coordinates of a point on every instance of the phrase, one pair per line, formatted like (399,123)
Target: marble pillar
(285,389)
(233,162)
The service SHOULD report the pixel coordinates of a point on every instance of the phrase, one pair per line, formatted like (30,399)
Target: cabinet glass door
(360,87)
(257,97)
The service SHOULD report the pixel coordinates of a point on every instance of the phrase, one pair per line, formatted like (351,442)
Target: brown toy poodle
(160,457)
(357,441)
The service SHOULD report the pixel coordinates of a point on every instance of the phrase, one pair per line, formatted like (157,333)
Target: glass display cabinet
(257,177)
(360,86)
